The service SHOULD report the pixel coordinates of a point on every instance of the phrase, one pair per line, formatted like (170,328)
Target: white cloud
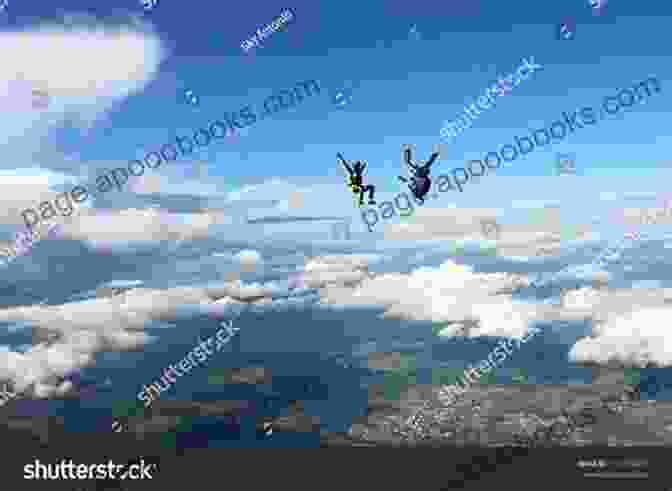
(25,188)
(637,338)
(139,225)
(630,325)
(86,69)
(77,331)
(525,204)
(280,198)
(448,293)
(465,224)
(249,260)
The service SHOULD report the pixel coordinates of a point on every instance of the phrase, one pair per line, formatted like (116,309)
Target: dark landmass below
(516,418)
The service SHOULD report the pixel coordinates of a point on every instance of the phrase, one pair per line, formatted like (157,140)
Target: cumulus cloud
(629,325)
(660,215)
(43,366)
(478,304)
(583,299)
(67,337)
(640,338)
(87,68)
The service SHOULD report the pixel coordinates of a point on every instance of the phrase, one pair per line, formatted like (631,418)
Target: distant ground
(506,422)
(608,411)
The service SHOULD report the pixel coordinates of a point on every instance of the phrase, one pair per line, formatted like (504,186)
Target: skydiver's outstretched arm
(362,169)
(432,159)
(345,164)
(426,168)
(407,155)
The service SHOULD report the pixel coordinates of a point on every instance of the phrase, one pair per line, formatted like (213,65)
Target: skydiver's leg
(414,190)
(372,190)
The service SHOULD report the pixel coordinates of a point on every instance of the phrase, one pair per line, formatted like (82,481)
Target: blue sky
(403,91)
